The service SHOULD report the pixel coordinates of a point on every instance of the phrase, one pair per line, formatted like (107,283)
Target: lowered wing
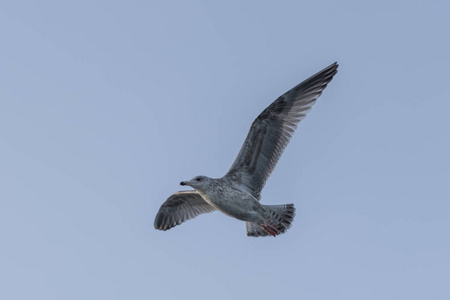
(179,208)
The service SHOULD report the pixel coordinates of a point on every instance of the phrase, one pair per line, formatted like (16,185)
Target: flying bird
(237,193)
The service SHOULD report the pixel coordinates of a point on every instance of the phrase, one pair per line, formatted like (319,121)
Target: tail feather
(279,220)
(253,229)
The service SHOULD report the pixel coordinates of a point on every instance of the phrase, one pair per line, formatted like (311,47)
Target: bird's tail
(279,218)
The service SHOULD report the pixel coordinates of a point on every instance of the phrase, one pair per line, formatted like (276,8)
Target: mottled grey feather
(283,217)
(181,207)
(271,131)
(255,230)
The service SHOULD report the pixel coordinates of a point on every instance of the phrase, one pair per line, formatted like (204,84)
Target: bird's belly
(242,207)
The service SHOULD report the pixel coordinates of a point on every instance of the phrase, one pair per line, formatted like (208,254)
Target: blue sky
(105,106)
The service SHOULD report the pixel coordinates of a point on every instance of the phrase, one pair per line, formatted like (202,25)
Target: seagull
(237,193)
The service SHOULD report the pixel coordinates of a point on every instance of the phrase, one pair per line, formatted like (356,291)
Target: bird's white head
(198,182)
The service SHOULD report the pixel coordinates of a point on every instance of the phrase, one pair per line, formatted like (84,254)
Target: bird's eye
(199,179)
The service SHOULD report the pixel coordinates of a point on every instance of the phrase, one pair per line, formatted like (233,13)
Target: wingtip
(335,65)
(331,69)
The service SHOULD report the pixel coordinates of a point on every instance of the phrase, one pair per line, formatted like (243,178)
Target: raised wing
(272,129)
(181,207)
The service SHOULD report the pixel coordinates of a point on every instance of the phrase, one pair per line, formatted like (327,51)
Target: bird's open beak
(184,183)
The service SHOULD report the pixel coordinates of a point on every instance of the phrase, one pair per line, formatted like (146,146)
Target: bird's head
(198,182)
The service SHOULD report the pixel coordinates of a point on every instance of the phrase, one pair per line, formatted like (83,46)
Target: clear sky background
(105,106)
